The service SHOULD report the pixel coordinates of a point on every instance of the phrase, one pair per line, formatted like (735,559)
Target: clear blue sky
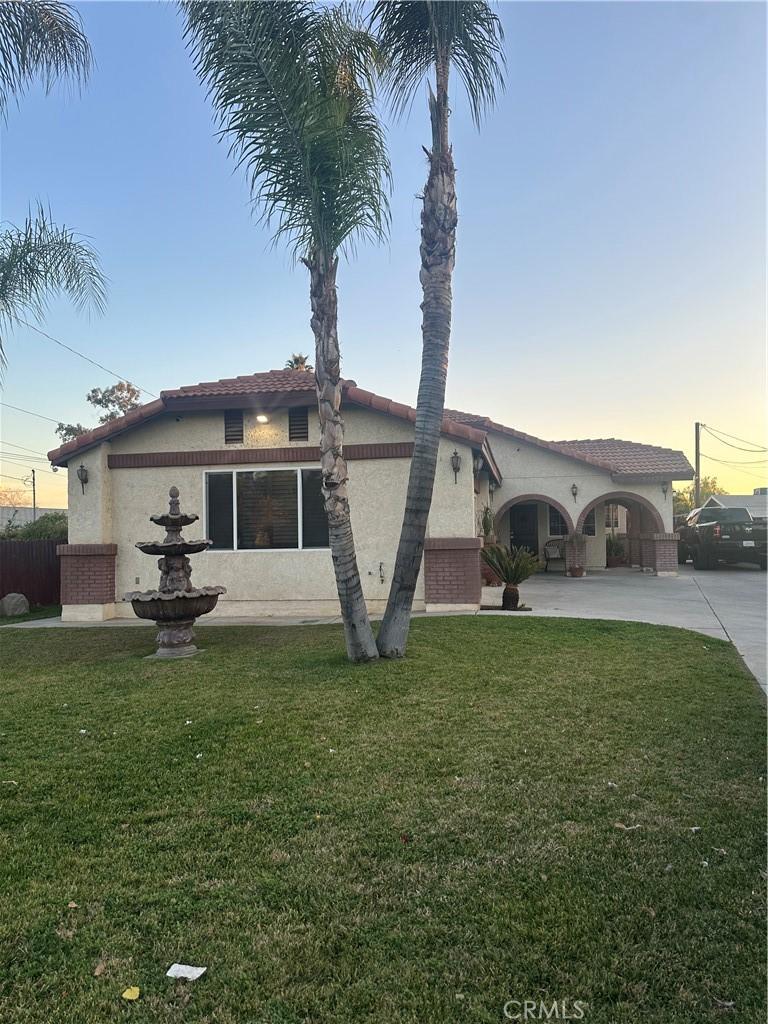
(611,246)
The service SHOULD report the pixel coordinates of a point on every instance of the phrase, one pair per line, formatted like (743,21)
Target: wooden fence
(31,568)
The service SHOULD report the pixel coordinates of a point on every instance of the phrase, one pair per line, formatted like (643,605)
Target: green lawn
(418,841)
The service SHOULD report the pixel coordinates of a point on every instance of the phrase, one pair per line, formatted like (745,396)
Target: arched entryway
(636,539)
(531,521)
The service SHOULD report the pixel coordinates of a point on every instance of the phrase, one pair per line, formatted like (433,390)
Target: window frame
(298,469)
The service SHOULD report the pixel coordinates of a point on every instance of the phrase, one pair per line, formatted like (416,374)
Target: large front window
(269,510)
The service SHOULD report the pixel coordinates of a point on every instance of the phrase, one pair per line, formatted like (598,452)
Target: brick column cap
(451,543)
(86,549)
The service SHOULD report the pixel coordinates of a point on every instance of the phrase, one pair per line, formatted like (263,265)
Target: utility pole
(697,478)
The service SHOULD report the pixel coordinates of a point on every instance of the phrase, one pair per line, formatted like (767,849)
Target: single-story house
(756,503)
(243,454)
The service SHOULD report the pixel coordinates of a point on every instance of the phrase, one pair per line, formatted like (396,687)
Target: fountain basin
(176,606)
(173,547)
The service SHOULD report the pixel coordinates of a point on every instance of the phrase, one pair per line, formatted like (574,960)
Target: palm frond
(417,35)
(291,88)
(39,260)
(511,565)
(42,39)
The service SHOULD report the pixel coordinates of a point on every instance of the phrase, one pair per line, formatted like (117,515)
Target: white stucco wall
(529,469)
(291,582)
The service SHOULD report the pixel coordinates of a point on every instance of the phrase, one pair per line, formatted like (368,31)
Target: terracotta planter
(576,572)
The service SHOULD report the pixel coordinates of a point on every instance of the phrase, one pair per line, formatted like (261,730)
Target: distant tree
(13,497)
(298,362)
(116,401)
(682,500)
(50,526)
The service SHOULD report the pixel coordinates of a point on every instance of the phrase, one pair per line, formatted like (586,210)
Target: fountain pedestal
(176,605)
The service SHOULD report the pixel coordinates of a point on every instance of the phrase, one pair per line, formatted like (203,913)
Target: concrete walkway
(728,603)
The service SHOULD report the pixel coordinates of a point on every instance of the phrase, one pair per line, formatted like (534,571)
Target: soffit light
(262,418)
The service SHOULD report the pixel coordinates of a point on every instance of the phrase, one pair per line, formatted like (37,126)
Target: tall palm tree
(292,90)
(40,39)
(38,260)
(298,361)
(417,38)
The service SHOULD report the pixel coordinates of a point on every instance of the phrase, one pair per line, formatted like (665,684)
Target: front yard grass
(404,842)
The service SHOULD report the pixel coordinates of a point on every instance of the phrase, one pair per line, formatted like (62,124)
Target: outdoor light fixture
(262,418)
(574,491)
(82,476)
(455,465)
(664,489)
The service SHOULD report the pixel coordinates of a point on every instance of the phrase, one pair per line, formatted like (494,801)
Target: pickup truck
(712,535)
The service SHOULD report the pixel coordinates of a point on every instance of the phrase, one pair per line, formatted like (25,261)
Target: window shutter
(298,424)
(233,426)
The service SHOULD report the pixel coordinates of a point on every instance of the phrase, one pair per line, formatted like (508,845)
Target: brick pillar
(87,581)
(647,552)
(452,573)
(665,553)
(575,552)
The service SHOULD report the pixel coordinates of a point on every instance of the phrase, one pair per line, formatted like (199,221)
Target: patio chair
(553,551)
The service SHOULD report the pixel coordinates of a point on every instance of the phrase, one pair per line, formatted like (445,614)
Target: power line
(88,359)
(34,451)
(5,405)
(746,472)
(5,476)
(737,462)
(22,465)
(715,432)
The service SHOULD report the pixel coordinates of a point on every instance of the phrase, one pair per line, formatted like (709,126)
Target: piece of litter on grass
(198,756)
(695,828)
(72,905)
(705,863)
(612,785)
(668,868)
(719,849)
(625,828)
(188,722)
(723,1004)
(99,969)
(185,971)
(83,732)
(10,782)
(132,993)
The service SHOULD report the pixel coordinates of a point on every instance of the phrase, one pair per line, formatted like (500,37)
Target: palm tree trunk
(438,250)
(361,645)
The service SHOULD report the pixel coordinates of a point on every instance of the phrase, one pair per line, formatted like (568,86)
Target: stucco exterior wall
(528,469)
(291,582)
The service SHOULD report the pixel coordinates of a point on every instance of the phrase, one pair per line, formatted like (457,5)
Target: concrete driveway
(728,603)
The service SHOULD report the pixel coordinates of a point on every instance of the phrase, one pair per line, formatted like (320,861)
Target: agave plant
(513,566)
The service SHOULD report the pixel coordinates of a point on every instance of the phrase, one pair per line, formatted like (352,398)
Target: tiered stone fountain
(176,605)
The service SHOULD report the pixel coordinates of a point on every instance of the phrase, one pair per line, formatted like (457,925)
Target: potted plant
(576,572)
(614,551)
(513,566)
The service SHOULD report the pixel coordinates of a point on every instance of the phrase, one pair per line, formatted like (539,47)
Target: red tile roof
(621,458)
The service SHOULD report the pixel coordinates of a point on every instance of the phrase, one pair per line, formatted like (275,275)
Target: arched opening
(533,521)
(612,526)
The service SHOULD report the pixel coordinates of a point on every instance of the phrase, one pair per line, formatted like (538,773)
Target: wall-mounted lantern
(665,489)
(455,465)
(574,490)
(82,476)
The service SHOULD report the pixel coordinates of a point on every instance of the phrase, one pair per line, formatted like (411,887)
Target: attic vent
(298,424)
(233,426)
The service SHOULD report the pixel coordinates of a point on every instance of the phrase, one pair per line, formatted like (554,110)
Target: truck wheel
(701,560)
(682,555)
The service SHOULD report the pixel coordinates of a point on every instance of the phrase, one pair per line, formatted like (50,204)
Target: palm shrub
(429,40)
(513,566)
(292,87)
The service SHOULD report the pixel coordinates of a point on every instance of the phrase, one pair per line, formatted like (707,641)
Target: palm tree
(513,566)
(38,260)
(40,40)
(415,38)
(292,89)
(298,362)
